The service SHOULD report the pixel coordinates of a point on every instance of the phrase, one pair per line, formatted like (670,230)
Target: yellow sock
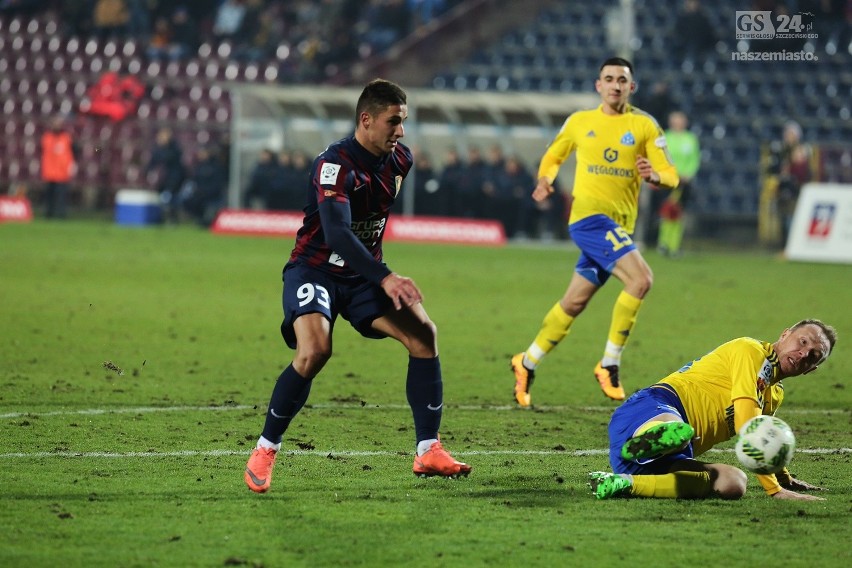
(676,485)
(554,328)
(623,319)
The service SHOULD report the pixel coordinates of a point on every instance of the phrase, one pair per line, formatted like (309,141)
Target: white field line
(341,453)
(349,453)
(344,406)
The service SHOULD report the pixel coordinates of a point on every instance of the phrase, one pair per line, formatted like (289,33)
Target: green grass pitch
(137,363)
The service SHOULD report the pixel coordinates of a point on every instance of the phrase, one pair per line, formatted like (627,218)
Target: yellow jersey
(607,181)
(743,368)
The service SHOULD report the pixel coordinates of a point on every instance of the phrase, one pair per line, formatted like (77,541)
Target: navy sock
(288,397)
(425,392)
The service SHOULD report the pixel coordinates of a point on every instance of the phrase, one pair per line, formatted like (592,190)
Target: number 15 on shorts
(619,237)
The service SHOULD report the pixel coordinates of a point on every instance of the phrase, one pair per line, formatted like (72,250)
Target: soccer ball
(765,445)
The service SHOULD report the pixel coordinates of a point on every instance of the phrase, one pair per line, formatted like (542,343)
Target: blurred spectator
(58,166)
(429,199)
(166,164)
(473,183)
(175,37)
(139,19)
(794,172)
(512,188)
(185,36)
(262,31)
(203,193)
(295,184)
(488,200)
(546,220)
(685,153)
(111,18)
(263,183)
(160,42)
(451,181)
(229,19)
(657,102)
(786,168)
(693,35)
(248,31)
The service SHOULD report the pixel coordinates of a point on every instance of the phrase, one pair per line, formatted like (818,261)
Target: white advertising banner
(821,230)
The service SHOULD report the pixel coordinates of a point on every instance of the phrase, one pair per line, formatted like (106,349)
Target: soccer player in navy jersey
(336,268)
(658,432)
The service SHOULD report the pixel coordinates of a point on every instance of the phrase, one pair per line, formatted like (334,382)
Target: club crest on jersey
(628,139)
(398,182)
(610,155)
(328,174)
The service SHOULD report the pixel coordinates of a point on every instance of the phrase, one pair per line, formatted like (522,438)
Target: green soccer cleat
(657,441)
(606,485)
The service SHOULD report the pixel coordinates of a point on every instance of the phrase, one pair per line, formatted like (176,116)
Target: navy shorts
(642,406)
(308,290)
(602,242)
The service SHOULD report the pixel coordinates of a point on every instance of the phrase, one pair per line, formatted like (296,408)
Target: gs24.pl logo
(761,24)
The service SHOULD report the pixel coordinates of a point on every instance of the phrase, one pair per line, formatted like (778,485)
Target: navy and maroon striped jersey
(346,172)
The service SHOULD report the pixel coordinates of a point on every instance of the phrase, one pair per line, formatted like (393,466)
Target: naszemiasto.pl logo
(754,26)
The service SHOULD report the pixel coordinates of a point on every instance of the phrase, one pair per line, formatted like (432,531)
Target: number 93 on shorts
(308,290)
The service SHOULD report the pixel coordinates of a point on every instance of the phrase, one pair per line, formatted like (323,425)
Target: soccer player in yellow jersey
(656,434)
(617,147)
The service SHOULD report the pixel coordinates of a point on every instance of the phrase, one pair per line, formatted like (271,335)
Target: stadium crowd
(313,40)
(494,186)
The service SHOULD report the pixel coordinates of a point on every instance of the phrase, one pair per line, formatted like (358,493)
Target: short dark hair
(378,95)
(620,61)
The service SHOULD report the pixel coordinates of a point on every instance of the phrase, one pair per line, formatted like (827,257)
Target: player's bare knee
(641,285)
(573,307)
(310,360)
(423,340)
(730,482)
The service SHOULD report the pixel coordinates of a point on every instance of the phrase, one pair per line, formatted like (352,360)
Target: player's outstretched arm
(792,495)
(798,485)
(401,290)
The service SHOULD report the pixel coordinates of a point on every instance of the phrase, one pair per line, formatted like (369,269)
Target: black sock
(425,392)
(288,397)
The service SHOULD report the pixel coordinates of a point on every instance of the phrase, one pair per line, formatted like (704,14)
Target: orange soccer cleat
(608,379)
(437,461)
(258,474)
(523,381)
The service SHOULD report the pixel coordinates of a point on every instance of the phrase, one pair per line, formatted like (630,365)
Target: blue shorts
(642,406)
(308,290)
(602,242)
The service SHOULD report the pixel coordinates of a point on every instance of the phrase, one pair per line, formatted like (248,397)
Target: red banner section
(247,222)
(16,209)
(399,228)
(446,230)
